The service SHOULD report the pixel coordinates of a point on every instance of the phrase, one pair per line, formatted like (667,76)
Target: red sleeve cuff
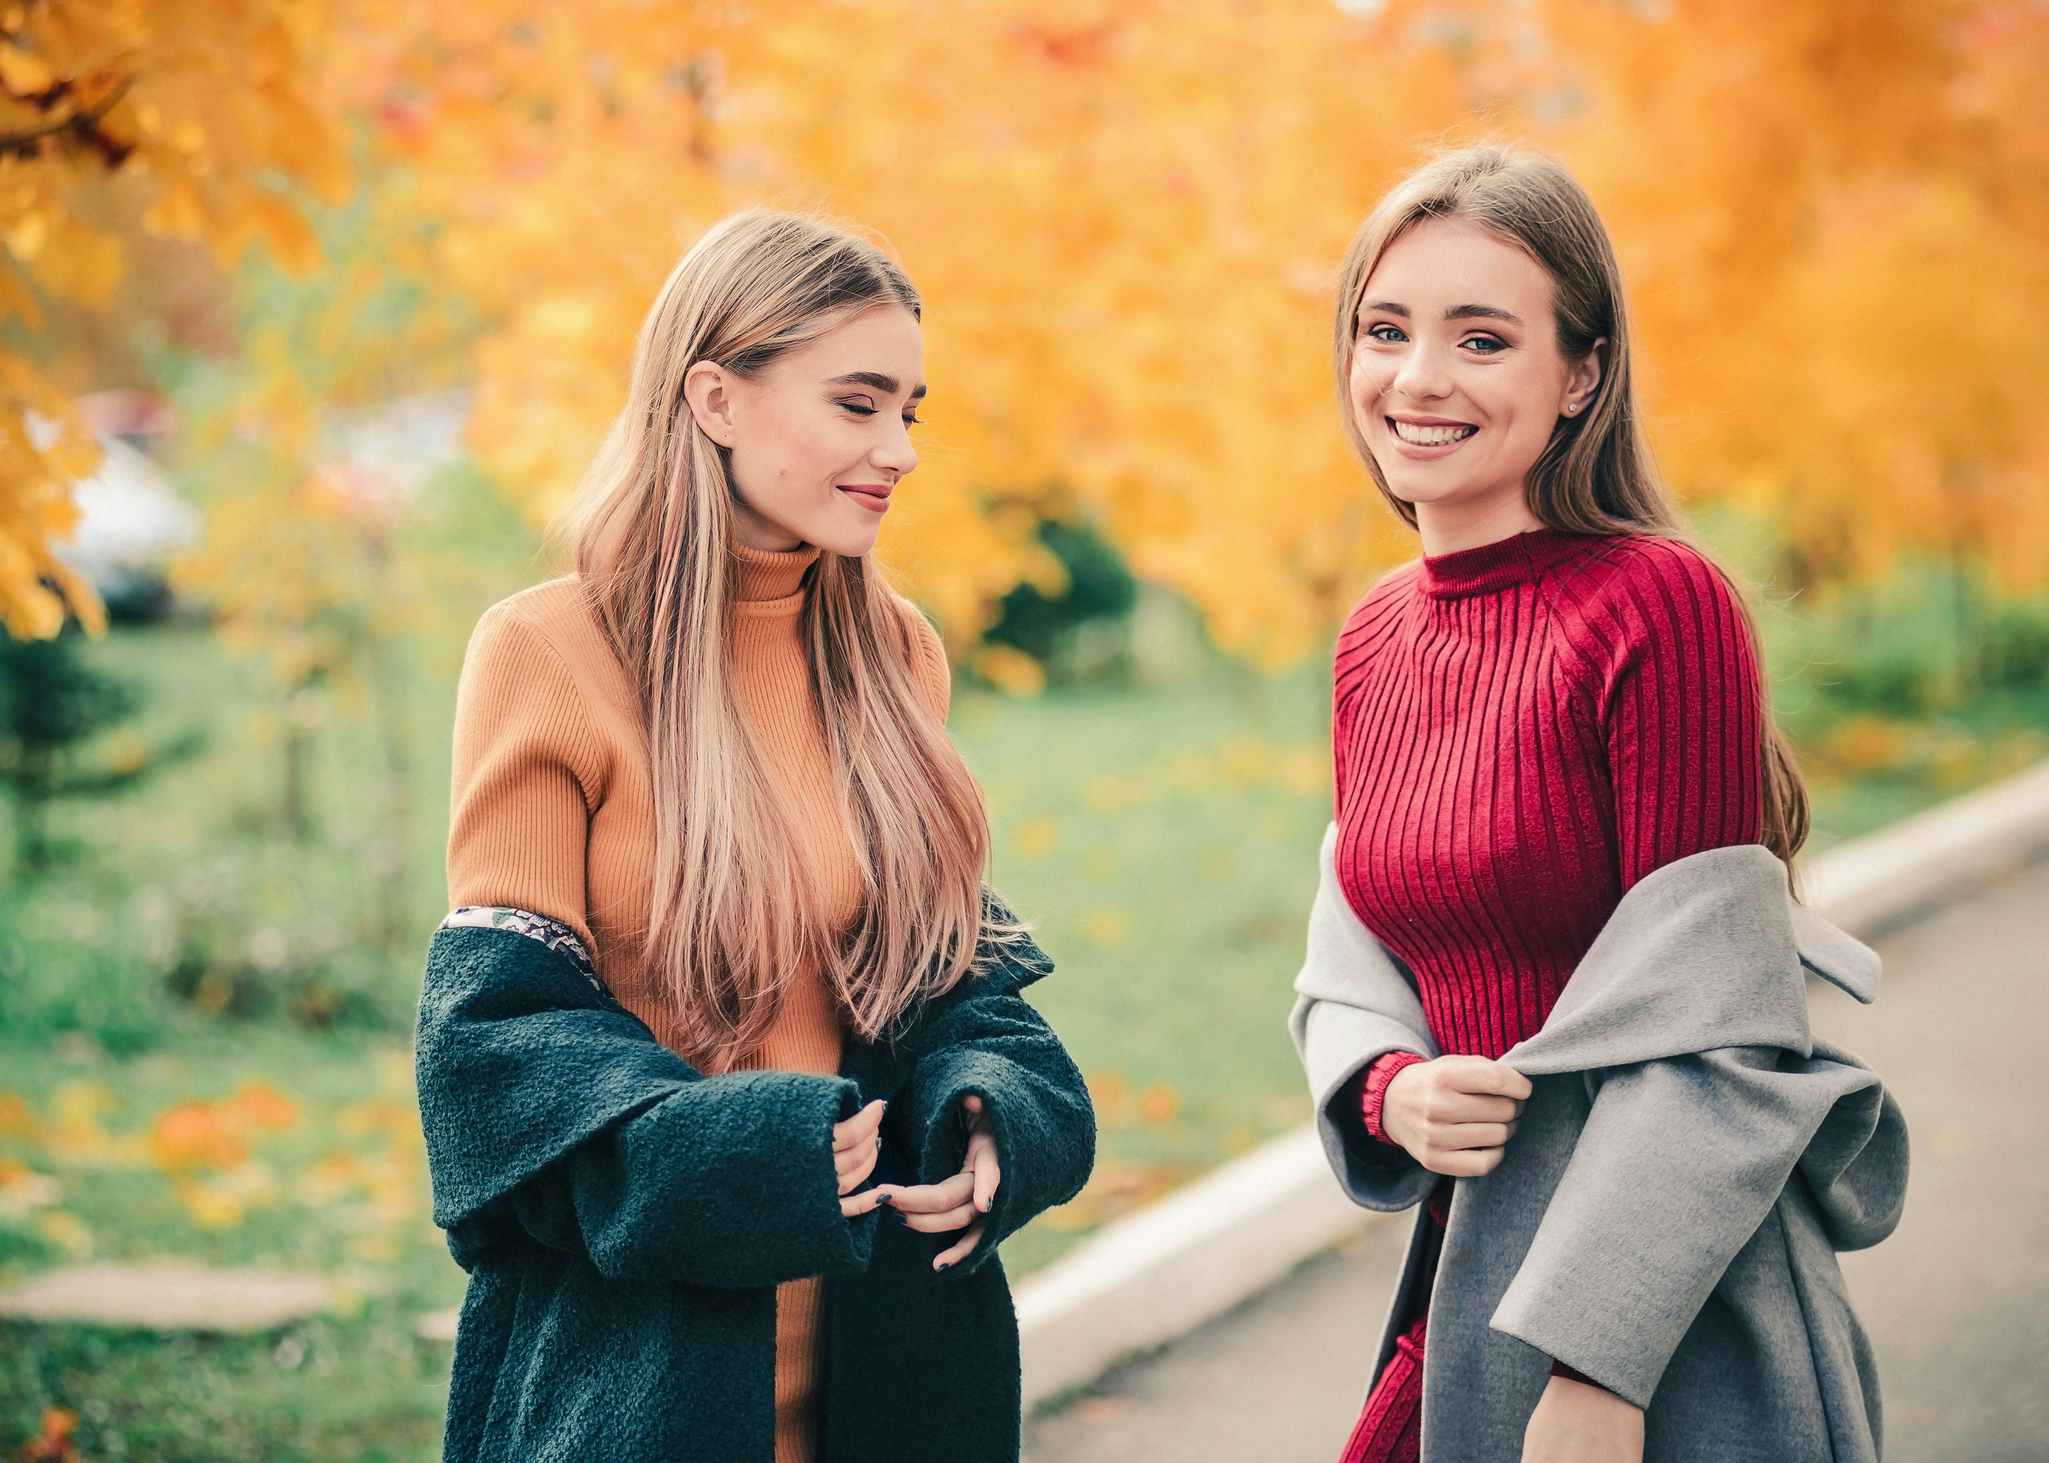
(1374,1093)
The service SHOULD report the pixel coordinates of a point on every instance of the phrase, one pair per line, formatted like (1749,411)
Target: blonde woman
(729,1090)
(1556,979)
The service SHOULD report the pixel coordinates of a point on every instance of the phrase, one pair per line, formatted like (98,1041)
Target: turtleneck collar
(772,580)
(1506,562)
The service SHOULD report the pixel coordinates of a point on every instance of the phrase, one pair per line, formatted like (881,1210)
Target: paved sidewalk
(1957,1301)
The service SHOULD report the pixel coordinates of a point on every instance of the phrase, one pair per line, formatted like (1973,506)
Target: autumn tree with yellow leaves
(194,120)
(1126,218)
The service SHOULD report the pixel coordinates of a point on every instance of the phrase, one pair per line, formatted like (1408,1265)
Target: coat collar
(1834,954)
(1706,951)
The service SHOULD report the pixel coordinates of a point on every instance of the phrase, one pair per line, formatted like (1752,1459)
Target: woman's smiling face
(1456,380)
(820,437)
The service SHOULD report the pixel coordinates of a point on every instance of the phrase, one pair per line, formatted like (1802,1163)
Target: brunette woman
(1555,988)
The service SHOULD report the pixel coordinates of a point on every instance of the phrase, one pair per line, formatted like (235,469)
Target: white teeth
(1417,436)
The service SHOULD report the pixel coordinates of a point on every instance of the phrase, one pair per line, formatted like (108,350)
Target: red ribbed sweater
(1521,731)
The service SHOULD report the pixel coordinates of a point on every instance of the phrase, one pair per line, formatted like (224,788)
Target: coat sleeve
(1354,1004)
(985,1038)
(1679,1162)
(547,1105)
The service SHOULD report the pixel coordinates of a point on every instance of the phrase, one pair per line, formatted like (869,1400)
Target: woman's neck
(1446,528)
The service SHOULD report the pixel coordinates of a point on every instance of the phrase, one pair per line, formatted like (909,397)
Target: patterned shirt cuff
(553,933)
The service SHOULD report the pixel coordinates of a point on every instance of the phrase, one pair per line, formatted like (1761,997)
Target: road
(1957,1301)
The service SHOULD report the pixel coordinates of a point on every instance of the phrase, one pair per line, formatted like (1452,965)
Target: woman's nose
(1422,376)
(897,453)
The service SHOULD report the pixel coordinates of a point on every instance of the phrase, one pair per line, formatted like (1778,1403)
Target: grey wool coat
(1667,1217)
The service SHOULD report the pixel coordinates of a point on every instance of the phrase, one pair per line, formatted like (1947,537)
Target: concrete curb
(1875,884)
(1161,1272)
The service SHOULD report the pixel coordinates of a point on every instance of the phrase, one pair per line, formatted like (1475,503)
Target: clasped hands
(941,1208)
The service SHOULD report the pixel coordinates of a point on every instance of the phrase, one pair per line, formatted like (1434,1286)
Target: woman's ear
(1584,379)
(708,390)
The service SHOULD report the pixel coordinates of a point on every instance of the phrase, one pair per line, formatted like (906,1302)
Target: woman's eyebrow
(887,385)
(1484,312)
(1456,312)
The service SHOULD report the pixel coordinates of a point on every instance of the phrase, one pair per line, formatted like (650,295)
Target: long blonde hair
(1595,475)
(736,908)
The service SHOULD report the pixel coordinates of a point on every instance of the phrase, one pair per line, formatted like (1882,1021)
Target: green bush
(1925,639)
(1055,630)
(59,975)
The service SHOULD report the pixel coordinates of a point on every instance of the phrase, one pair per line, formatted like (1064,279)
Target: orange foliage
(193,1136)
(203,108)
(1126,219)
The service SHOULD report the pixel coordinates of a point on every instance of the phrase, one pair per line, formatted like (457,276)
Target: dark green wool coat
(624,1219)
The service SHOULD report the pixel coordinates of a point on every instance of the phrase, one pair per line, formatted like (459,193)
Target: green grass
(1161,841)
(354,1384)
(1164,846)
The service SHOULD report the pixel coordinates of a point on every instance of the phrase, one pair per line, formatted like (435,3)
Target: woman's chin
(1405,487)
(847,543)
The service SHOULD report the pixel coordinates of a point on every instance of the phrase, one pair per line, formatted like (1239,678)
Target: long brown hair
(735,911)
(1596,474)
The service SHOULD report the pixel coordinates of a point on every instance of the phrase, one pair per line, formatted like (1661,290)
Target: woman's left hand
(963,1199)
(1576,1423)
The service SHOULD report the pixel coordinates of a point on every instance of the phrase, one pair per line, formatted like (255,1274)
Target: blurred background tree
(1127,245)
(194,120)
(53,704)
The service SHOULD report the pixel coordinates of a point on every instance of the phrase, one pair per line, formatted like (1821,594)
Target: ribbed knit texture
(1390,1425)
(1521,731)
(552,810)
(1373,1092)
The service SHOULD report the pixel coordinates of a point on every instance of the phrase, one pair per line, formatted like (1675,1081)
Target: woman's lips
(1430,450)
(872,496)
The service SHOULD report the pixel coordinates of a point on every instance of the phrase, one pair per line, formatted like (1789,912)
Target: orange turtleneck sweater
(552,810)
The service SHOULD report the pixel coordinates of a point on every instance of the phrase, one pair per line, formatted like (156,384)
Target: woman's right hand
(1455,1114)
(856,1145)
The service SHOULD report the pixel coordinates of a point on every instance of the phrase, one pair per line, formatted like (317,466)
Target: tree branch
(28,144)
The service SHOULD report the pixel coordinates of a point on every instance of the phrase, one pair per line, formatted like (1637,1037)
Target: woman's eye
(1489,344)
(859,409)
(911,419)
(1385,334)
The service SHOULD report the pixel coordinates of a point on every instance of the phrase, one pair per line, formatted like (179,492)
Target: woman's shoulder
(553,634)
(1635,595)
(1391,587)
(1626,568)
(559,613)
(1368,621)
(927,654)
(554,609)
